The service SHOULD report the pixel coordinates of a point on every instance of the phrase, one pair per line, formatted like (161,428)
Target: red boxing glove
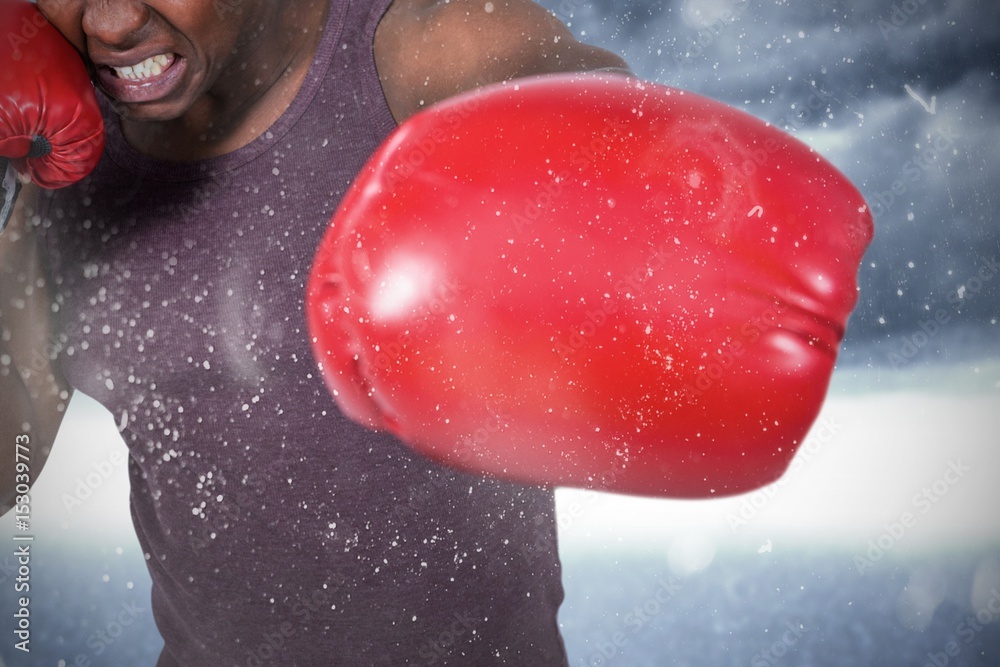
(50,125)
(588,281)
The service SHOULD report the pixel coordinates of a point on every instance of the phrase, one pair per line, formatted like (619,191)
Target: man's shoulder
(427,50)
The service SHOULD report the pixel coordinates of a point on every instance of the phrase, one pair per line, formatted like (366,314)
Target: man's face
(155,59)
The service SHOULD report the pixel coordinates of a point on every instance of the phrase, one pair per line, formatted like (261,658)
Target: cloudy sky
(909,93)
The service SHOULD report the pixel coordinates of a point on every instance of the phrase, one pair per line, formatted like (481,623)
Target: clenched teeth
(147,68)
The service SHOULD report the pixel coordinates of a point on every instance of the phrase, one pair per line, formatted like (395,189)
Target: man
(169,284)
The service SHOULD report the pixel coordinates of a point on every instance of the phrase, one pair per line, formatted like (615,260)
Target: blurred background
(881,546)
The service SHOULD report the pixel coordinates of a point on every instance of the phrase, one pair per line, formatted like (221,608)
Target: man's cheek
(67,17)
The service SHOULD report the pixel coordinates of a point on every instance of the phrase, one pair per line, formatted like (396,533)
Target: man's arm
(428,50)
(33,391)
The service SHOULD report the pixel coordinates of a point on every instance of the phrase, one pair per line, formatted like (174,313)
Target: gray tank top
(276,531)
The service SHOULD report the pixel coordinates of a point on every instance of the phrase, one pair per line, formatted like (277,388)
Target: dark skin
(244,68)
(429,50)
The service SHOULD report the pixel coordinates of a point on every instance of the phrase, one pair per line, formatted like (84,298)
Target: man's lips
(137,79)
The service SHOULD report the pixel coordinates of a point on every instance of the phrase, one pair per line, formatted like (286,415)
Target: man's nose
(114,24)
